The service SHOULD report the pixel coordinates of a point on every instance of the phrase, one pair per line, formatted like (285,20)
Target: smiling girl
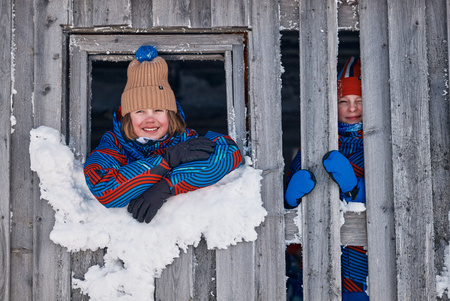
(150,154)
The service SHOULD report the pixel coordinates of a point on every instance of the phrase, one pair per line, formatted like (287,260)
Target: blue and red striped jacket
(119,170)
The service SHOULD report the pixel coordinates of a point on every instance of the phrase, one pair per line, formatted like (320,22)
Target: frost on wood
(443,278)
(224,214)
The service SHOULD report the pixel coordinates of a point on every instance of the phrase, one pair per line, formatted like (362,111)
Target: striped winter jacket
(354,258)
(119,170)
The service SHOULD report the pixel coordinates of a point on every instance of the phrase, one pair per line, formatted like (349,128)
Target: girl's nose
(149,115)
(352,106)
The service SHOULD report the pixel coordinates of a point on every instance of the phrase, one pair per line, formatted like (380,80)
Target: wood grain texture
(377,149)
(348,15)
(176,282)
(289,15)
(438,66)
(233,13)
(205,279)
(83,13)
(22,181)
(318,124)
(412,176)
(171,13)
(200,13)
(52,276)
(141,13)
(78,129)
(107,13)
(265,109)
(5,140)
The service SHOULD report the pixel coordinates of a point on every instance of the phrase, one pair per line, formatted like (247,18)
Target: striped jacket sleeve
(198,174)
(114,181)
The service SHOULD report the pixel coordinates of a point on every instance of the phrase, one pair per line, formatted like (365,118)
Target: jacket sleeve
(114,181)
(198,174)
(296,165)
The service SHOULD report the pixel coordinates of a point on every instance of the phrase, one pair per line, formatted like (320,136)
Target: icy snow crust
(224,214)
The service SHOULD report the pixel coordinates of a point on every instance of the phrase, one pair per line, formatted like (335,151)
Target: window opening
(199,87)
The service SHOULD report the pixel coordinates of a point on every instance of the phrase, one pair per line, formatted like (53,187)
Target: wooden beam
(52,277)
(437,18)
(410,123)
(265,111)
(377,149)
(5,135)
(23,188)
(318,118)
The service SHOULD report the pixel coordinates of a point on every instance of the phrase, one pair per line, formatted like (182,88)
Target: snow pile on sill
(224,214)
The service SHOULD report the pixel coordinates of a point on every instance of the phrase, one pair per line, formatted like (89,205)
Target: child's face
(350,109)
(150,123)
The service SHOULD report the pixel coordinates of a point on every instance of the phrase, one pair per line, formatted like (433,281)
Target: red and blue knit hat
(349,78)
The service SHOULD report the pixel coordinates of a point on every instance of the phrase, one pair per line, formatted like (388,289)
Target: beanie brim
(349,86)
(148,97)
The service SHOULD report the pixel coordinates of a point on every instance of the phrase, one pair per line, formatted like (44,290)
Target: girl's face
(350,109)
(150,123)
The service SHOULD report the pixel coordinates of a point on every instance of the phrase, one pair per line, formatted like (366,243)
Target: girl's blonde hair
(176,125)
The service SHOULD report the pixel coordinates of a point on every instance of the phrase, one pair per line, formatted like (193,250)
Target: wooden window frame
(85,48)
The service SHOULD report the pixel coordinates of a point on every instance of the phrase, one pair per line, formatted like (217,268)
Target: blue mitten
(301,183)
(341,171)
(361,195)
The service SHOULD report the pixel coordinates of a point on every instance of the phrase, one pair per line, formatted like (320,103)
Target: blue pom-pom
(146,53)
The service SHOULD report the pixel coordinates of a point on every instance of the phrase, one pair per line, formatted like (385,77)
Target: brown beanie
(148,87)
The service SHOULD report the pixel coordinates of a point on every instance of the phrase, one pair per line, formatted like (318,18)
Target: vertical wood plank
(348,18)
(318,124)
(116,12)
(5,139)
(171,13)
(265,111)
(230,13)
(235,281)
(289,14)
(83,12)
(141,13)
(176,281)
(204,273)
(235,277)
(77,108)
(239,93)
(411,150)
(377,149)
(51,262)
(24,190)
(438,66)
(229,91)
(200,13)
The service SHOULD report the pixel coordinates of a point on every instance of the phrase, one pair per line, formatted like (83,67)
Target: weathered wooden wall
(405,57)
